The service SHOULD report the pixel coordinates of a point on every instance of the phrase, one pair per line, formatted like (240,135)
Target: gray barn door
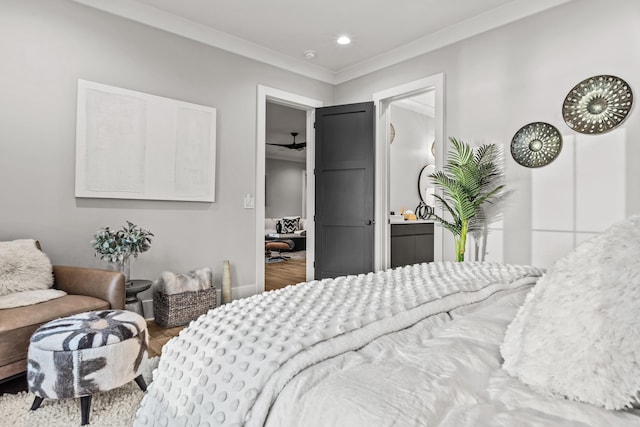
(344,167)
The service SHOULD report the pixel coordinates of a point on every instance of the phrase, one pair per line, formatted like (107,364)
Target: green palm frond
(461,154)
(470,178)
(452,227)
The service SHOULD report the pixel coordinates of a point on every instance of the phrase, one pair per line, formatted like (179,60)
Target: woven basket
(180,309)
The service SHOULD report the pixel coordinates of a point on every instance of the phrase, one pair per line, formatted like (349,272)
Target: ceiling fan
(294,145)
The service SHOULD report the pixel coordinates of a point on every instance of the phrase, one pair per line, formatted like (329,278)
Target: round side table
(132,289)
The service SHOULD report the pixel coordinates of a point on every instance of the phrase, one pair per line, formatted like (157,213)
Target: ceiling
(278,32)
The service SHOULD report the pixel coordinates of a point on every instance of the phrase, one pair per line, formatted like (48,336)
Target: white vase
(226,282)
(125,268)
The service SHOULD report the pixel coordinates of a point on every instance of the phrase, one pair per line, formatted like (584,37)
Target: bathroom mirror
(411,156)
(425,186)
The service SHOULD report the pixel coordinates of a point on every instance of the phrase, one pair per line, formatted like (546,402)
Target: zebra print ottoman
(83,354)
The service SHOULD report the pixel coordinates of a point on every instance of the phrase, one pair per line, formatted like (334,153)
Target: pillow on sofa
(577,334)
(270,225)
(23,267)
(290,224)
(177,283)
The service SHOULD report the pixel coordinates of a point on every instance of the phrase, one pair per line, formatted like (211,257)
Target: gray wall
(45,47)
(495,83)
(520,73)
(283,182)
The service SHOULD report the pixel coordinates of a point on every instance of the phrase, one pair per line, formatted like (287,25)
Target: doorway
(275,97)
(382,102)
(285,197)
(434,87)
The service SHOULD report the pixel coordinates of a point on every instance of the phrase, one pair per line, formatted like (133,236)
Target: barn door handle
(370,221)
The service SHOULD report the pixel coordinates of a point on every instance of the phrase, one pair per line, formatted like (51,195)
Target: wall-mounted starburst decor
(536,144)
(597,104)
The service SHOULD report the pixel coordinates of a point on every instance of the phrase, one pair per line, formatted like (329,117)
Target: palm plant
(470,178)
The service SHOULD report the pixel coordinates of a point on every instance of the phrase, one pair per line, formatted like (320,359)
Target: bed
(437,344)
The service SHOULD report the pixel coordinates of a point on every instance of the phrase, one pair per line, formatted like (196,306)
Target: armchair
(87,289)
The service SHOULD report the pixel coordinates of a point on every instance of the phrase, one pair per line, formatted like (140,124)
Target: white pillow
(196,280)
(23,267)
(578,333)
(270,225)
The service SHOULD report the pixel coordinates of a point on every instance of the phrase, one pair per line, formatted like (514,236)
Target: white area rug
(114,408)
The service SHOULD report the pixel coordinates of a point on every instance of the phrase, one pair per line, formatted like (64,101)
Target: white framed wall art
(133,145)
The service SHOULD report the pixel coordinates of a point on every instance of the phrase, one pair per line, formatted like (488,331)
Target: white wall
(45,47)
(495,83)
(408,154)
(283,188)
(520,73)
(586,202)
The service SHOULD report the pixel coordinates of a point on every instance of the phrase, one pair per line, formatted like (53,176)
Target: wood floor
(158,337)
(281,274)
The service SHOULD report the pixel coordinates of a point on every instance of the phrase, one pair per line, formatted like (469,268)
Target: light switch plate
(249,201)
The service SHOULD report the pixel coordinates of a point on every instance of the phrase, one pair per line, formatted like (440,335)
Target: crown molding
(165,21)
(494,18)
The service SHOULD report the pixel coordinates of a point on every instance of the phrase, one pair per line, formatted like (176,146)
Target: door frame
(382,100)
(299,102)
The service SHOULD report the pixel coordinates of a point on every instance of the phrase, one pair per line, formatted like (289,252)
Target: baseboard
(243,292)
(236,293)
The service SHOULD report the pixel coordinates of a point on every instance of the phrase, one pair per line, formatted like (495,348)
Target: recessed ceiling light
(309,54)
(343,40)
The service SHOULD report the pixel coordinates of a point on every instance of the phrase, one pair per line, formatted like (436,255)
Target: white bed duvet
(415,346)
(439,372)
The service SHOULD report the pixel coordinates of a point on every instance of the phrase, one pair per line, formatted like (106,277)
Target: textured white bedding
(228,367)
(439,372)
